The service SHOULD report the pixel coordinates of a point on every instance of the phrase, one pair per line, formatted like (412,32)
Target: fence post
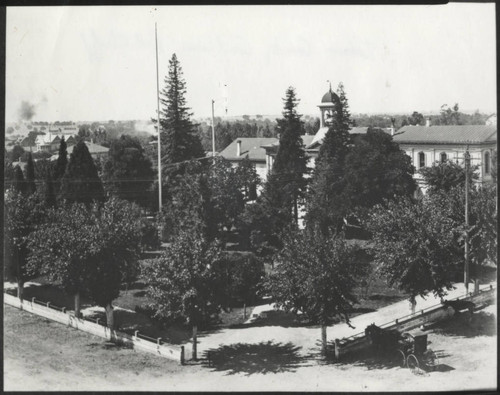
(182,355)
(33,300)
(97,321)
(337,349)
(422,312)
(158,341)
(48,304)
(491,286)
(64,310)
(136,333)
(397,321)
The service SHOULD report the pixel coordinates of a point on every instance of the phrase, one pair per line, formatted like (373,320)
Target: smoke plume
(26,111)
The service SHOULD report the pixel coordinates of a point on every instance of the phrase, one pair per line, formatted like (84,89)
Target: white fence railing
(153,346)
(426,316)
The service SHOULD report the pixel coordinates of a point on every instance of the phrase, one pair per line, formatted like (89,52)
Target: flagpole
(158,123)
(213,129)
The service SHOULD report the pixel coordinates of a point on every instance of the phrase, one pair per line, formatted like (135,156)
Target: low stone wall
(423,317)
(162,350)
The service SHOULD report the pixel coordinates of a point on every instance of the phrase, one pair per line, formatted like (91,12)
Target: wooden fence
(137,341)
(424,317)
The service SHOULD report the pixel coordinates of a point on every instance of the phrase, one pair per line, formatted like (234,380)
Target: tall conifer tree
(291,162)
(62,160)
(179,138)
(325,208)
(30,176)
(18,182)
(80,182)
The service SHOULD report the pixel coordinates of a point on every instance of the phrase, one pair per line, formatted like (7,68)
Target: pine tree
(179,138)
(62,161)
(60,166)
(80,182)
(326,207)
(291,162)
(30,176)
(345,119)
(18,183)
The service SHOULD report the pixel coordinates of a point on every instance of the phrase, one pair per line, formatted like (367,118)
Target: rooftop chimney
(238,147)
(428,122)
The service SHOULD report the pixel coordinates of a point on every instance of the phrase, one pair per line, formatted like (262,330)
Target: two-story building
(428,144)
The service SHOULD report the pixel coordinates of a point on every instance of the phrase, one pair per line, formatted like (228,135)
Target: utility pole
(466,264)
(158,122)
(213,129)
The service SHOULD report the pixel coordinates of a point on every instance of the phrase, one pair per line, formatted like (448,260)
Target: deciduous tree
(247,179)
(315,275)
(443,176)
(414,246)
(375,169)
(88,251)
(128,172)
(22,215)
(183,283)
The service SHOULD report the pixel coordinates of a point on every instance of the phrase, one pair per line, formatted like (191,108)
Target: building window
(443,157)
(421,159)
(486,162)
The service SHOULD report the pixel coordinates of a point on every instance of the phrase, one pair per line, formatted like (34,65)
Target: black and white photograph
(296,198)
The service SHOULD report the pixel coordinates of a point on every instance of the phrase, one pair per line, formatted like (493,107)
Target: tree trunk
(110,317)
(195,331)
(476,286)
(323,340)
(20,289)
(77,305)
(413,304)
(244,311)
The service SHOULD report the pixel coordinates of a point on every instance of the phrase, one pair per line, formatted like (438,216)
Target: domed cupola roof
(330,97)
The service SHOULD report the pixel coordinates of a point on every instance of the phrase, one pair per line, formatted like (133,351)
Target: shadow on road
(482,324)
(263,358)
(366,358)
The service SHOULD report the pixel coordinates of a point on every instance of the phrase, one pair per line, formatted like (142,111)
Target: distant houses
(96,151)
(251,148)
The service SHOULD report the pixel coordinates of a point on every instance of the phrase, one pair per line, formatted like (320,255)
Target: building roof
(320,134)
(330,97)
(446,134)
(93,149)
(251,146)
(273,147)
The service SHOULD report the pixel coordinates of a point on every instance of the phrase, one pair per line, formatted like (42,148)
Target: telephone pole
(158,122)
(466,264)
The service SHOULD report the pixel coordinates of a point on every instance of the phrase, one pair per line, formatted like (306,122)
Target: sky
(97,63)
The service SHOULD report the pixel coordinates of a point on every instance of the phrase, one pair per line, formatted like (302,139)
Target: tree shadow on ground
(482,324)
(263,358)
(365,358)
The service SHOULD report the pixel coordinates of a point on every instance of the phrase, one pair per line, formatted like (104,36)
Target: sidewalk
(309,338)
